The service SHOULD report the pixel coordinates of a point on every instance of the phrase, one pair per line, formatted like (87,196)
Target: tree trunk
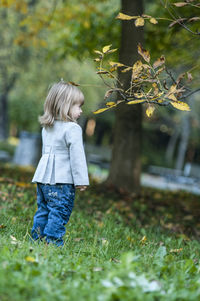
(126,164)
(172,145)
(185,133)
(10,82)
(3,117)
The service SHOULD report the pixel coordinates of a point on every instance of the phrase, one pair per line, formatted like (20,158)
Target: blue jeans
(55,203)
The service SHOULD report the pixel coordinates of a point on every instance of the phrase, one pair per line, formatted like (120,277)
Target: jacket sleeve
(77,156)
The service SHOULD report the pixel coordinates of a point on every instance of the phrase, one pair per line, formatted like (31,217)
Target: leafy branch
(140,20)
(150,83)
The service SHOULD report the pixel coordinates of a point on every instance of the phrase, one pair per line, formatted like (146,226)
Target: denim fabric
(55,203)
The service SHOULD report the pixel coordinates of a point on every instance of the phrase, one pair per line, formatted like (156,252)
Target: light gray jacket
(63,157)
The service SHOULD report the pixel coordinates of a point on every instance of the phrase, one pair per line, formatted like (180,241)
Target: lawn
(117,246)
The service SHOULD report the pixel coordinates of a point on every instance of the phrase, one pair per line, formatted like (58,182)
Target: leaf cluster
(150,82)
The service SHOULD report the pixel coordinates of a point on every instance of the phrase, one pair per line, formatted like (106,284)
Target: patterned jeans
(55,203)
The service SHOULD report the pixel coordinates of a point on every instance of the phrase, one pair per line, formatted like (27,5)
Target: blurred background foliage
(44,41)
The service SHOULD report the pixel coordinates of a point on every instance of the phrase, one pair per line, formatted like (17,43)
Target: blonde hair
(61,97)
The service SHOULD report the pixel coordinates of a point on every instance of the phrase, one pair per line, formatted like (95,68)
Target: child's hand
(81,187)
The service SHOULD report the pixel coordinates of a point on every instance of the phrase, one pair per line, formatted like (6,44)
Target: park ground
(117,246)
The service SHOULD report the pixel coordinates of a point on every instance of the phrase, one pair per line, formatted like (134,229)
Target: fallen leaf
(115,260)
(97,269)
(104,241)
(30,259)
(176,250)
(78,239)
(143,240)
(13,240)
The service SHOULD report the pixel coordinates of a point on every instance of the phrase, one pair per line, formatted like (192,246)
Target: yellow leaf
(144,53)
(180,4)
(24,8)
(176,250)
(160,70)
(139,95)
(7,3)
(153,21)
(134,102)
(110,103)
(30,259)
(172,97)
(127,69)
(102,72)
(42,43)
(106,48)
(100,224)
(112,69)
(112,50)
(130,239)
(97,60)
(156,90)
(22,184)
(173,89)
(180,105)
(102,110)
(146,66)
(122,16)
(116,64)
(137,67)
(98,52)
(143,240)
(139,22)
(150,110)
(159,62)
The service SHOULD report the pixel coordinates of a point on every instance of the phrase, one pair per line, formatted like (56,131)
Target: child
(62,168)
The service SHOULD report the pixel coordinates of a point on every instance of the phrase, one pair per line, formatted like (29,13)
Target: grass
(117,247)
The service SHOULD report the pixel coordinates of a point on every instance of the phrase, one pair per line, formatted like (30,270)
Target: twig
(179,22)
(192,92)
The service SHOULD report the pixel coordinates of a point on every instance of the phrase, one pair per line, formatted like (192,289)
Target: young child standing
(62,168)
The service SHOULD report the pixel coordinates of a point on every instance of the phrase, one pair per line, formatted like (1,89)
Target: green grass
(117,247)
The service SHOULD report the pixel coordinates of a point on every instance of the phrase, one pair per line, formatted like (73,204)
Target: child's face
(75,111)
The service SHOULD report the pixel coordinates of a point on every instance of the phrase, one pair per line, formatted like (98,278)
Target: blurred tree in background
(180,47)
(44,42)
